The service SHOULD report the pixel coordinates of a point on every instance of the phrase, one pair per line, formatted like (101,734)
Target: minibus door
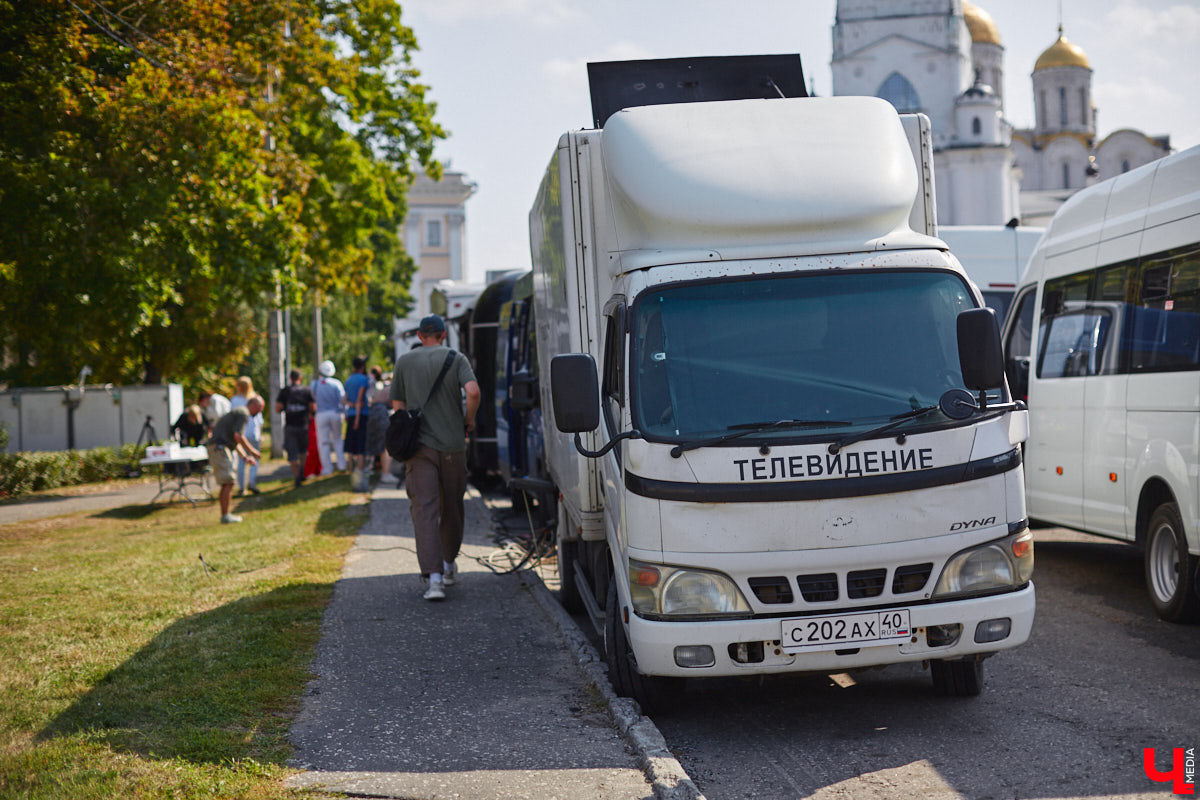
(1054,457)
(1104,429)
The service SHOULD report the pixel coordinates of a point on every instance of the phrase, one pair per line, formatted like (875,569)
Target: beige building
(435,234)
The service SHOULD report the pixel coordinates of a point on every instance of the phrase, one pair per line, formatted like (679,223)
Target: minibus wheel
(957,678)
(1170,569)
(654,693)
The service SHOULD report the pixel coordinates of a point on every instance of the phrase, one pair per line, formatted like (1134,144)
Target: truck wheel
(1170,569)
(957,678)
(568,587)
(654,693)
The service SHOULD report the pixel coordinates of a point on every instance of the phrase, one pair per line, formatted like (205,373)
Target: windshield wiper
(895,422)
(757,427)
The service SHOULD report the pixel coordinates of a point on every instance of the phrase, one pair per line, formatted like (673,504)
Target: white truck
(797,452)
(994,256)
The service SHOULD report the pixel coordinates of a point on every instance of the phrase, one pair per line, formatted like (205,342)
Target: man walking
(329,394)
(356,418)
(297,404)
(227,439)
(437,474)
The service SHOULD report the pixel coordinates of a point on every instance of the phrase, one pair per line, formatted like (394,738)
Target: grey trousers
(435,483)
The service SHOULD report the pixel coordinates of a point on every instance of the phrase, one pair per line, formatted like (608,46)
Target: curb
(666,775)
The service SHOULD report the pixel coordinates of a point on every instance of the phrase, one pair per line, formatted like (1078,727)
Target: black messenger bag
(403,437)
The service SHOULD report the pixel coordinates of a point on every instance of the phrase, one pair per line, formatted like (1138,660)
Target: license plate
(845,630)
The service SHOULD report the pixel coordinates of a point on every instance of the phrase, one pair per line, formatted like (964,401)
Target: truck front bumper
(654,643)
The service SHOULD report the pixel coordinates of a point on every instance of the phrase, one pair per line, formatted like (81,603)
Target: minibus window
(1164,329)
(1112,283)
(1073,344)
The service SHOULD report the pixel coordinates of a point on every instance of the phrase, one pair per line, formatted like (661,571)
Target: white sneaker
(436,591)
(228,518)
(449,574)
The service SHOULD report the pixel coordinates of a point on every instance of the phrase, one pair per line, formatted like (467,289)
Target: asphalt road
(1066,715)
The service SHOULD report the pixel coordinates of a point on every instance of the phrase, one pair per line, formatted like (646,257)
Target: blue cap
(432,324)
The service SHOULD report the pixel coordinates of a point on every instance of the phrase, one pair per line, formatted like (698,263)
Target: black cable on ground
(516,551)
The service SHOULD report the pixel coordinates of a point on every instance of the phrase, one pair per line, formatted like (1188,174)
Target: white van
(1103,340)
(994,256)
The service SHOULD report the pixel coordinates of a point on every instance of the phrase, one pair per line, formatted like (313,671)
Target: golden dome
(980,24)
(1062,54)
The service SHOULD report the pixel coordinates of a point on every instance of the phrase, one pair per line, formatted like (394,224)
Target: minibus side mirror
(979,353)
(575,392)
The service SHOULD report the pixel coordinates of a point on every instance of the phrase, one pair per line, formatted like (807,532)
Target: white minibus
(1103,341)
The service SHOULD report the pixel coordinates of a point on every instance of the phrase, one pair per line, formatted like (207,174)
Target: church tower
(914,53)
(1062,90)
(987,53)
(1058,154)
(943,58)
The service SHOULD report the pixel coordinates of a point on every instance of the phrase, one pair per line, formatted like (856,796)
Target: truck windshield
(853,348)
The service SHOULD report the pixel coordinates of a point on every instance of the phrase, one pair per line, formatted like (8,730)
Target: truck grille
(826,587)
(865,583)
(911,578)
(772,590)
(818,588)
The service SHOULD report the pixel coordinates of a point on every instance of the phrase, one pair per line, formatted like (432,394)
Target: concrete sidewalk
(478,696)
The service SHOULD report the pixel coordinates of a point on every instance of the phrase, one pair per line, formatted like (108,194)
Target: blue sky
(509,76)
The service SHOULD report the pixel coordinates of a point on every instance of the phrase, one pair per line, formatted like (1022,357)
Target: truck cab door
(612,407)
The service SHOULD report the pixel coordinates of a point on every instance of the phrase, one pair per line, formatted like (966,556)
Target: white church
(945,58)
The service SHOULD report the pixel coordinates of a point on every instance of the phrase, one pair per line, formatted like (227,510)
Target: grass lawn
(152,652)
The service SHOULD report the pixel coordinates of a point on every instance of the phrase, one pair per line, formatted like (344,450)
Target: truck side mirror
(575,392)
(979,353)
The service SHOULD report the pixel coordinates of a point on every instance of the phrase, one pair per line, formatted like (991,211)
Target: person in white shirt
(330,396)
(214,407)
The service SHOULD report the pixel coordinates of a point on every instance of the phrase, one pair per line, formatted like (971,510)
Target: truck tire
(568,586)
(957,678)
(1170,569)
(654,693)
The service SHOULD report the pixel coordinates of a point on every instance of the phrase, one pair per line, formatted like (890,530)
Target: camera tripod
(147,432)
(150,436)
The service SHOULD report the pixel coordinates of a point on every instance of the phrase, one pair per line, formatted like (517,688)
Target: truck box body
(994,256)
(724,263)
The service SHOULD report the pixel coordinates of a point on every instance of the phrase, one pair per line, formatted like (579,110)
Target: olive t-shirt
(228,425)
(415,373)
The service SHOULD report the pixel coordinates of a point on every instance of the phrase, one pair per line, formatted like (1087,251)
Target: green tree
(168,170)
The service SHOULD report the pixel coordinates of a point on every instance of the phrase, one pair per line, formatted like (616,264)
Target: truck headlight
(1003,564)
(659,590)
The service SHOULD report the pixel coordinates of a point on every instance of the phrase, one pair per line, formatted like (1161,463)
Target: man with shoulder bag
(432,378)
